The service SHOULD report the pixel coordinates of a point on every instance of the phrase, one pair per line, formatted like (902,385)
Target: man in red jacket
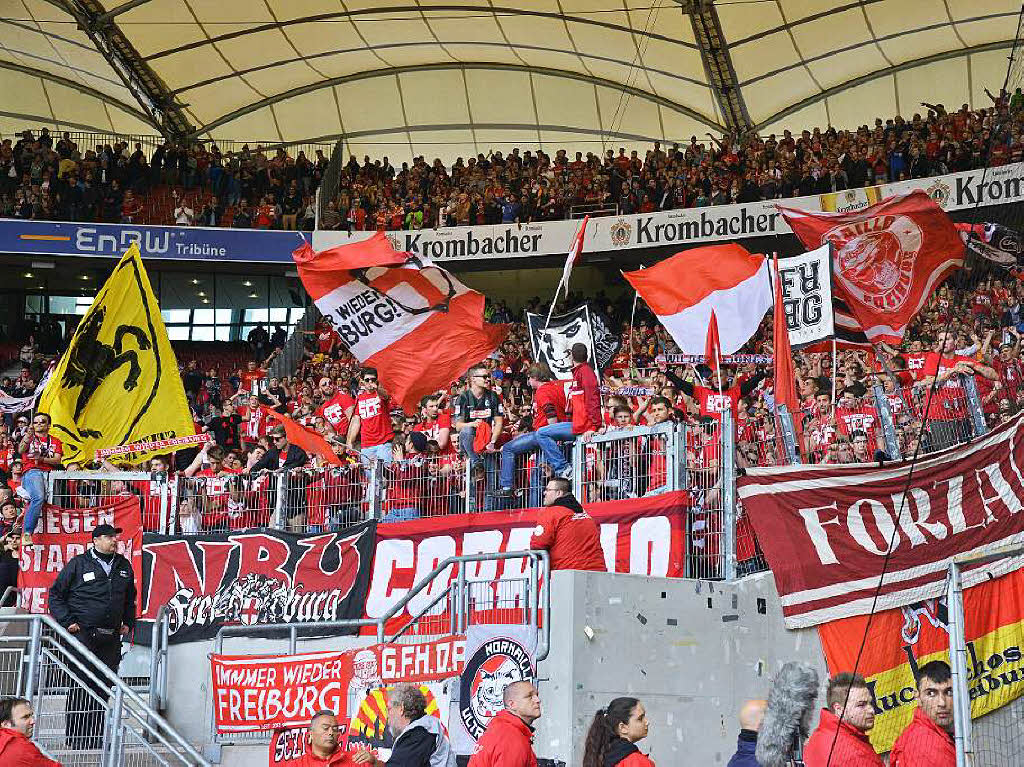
(584,405)
(508,739)
(928,739)
(842,734)
(17,721)
(566,531)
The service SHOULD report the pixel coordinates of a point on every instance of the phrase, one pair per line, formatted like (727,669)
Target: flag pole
(835,370)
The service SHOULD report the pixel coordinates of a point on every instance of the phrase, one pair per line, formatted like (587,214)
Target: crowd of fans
(224,486)
(58,180)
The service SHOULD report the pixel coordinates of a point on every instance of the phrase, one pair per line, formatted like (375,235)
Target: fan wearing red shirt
(436,424)
(337,408)
(854,415)
(584,403)
(249,378)
(1007,364)
(17,722)
(215,488)
(39,454)
(928,739)
(947,411)
(371,421)
(549,407)
(713,400)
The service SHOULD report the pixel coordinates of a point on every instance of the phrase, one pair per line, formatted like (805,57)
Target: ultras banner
(900,641)
(644,536)
(66,533)
(258,576)
(254,693)
(826,530)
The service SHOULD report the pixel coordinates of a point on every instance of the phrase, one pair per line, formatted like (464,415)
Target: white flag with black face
(553,344)
(807,296)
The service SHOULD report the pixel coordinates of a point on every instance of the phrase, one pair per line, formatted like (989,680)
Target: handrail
(396,609)
(112,680)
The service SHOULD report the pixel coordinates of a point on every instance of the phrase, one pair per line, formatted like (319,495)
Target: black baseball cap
(106,530)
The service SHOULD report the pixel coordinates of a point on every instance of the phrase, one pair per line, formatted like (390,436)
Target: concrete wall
(692,651)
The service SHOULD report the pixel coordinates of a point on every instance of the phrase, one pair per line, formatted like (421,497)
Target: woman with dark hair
(612,737)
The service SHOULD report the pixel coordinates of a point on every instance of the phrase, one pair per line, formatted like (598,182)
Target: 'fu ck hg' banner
(807,296)
(255,577)
(900,641)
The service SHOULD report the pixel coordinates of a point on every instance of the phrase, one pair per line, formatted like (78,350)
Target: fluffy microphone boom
(787,716)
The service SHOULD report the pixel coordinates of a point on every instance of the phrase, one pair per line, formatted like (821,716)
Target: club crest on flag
(421,289)
(876,258)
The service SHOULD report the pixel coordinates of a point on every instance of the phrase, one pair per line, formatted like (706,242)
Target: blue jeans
(401,515)
(524,443)
(466,437)
(34,481)
(383,452)
(548,438)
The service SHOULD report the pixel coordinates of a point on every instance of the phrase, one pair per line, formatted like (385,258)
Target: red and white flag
(307,439)
(683,290)
(888,260)
(414,322)
(573,257)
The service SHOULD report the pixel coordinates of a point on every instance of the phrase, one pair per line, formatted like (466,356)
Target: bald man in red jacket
(570,535)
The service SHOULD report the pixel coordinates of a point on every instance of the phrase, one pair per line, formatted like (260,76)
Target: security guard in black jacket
(94,599)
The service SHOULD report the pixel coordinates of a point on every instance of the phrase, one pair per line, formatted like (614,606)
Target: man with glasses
(337,407)
(479,418)
(570,536)
(371,421)
(40,453)
(283,455)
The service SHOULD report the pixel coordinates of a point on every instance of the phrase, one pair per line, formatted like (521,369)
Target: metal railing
(459,602)
(85,714)
(287,361)
(331,180)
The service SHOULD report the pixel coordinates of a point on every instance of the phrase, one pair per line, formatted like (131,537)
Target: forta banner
(828,531)
(900,641)
(254,576)
(66,533)
(643,536)
(257,693)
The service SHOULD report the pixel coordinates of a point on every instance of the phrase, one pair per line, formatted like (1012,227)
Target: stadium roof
(447,78)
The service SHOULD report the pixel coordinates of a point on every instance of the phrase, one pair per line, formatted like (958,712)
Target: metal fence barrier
(85,714)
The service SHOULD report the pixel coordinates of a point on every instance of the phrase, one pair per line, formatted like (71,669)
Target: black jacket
(83,593)
(294,458)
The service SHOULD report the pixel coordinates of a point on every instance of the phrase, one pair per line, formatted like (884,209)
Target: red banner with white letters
(255,693)
(643,536)
(65,533)
(828,531)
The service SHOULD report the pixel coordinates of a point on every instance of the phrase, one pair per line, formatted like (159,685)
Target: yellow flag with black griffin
(118,382)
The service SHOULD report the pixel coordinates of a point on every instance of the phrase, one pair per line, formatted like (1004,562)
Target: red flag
(414,322)
(713,348)
(305,438)
(888,260)
(785,380)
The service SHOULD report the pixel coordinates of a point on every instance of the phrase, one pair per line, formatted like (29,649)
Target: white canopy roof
(404,77)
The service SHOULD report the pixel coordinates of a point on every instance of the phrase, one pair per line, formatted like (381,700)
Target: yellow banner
(851,200)
(903,639)
(118,382)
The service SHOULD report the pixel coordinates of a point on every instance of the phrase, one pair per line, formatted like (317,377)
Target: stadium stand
(257,188)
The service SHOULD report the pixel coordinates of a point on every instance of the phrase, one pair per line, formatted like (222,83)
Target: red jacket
(852,749)
(923,743)
(18,751)
(570,535)
(585,400)
(507,742)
